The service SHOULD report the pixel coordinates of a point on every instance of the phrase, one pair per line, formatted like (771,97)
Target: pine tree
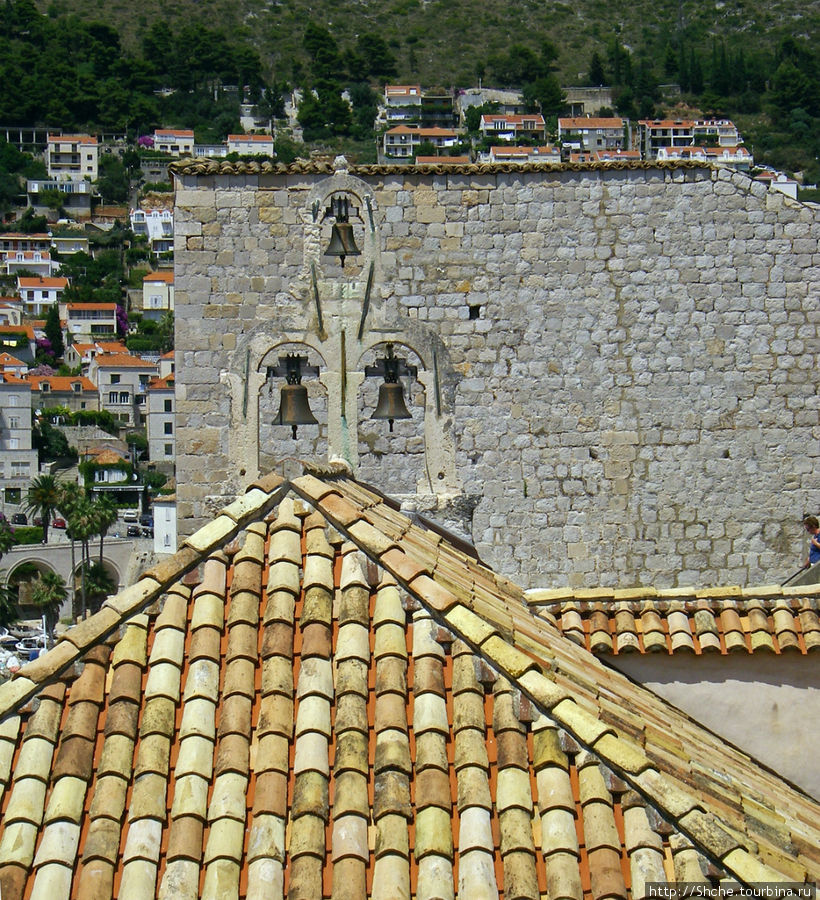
(54,332)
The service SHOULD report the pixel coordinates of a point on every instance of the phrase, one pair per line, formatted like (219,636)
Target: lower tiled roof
(770,619)
(334,701)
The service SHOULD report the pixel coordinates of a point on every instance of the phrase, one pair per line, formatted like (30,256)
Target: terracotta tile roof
(71,139)
(6,359)
(167,277)
(175,132)
(343,704)
(99,307)
(27,330)
(162,384)
(769,619)
(122,360)
(60,382)
(442,160)
(592,122)
(39,282)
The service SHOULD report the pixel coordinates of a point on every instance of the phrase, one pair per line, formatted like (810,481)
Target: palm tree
(48,591)
(106,513)
(70,500)
(82,526)
(8,601)
(43,498)
(98,584)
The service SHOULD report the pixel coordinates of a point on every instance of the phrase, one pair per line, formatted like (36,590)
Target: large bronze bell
(391,403)
(294,408)
(342,243)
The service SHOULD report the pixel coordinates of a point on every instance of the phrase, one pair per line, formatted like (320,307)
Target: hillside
(448,41)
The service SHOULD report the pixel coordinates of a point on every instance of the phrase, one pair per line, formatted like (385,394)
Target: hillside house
(18,461)
(73,391)
(12,242)
(737,157)
(610,156)
(19,340)
(178,142)
(90,321)
(39,294)
(157,294)
(402,104)
(715,133)
(11,311)
(81,354)
(161,420)
(438,108)
(66,243)
(72,157)
(778,181)
(523,154)
(122,382)
(498,126)
(156,223)
(32,262)
(594,133)
(76,198)
(12,365)
(403,141)
(251,144)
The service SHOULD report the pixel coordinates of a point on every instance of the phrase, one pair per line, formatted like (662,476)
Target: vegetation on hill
(170,63)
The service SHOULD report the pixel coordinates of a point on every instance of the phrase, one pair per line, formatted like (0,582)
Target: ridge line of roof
(221,167)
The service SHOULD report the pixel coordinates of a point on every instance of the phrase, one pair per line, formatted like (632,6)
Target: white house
(165,524)
(157,224)
(161,420)
(72,157)
(157,294)
(18,461)
(513,153)
(122,381)
(68,242)
(777,181)
(251,144)
(402,103)
(506,127)
(38,294)
(34,262)
(403,141)
(179,142)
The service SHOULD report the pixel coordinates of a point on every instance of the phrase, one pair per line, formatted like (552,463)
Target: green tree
(51,444)
(112,182)
(98,584)
(48,592)
(546,95)
(42,499)
(597,75)
(54,331)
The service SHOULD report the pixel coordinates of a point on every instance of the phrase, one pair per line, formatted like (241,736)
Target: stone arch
(19,576)
(275,442)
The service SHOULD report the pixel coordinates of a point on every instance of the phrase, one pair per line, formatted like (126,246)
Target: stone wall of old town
(616,369)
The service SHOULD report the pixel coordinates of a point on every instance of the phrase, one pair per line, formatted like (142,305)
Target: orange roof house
(318,697)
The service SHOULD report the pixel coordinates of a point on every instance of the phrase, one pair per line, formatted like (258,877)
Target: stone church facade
(612,371)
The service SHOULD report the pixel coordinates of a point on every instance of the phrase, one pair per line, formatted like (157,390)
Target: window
(169,427)
(115,379)
(12,495)
(169,449)
(13,400)
(113,397)
(76,387)
(14,421)
(45,388)
(14,444)
(169,405)
(20,469)
(124,396)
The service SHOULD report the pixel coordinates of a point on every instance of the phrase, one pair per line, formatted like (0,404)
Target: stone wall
(617,368)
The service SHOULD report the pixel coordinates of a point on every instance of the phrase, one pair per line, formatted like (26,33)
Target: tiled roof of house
(162,384)
(341,703)
(99,307)
(442,160)
(60,382)
(591,122)
(27,330)
(71,139)
(6,359)
(167,277)
(122,361)
(25,281)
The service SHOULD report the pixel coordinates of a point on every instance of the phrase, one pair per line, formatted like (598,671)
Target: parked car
(133,531)
(58,523)
(147,520)
(19,519)
(130,515)
(147,531)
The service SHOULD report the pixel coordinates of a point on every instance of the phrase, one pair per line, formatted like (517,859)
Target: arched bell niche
(276,441)
(395,460)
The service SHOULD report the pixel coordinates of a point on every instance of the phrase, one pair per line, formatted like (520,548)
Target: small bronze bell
(391,403)
(294,408)
(342,242)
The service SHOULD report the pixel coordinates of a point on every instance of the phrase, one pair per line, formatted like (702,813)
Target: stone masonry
(616,367)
